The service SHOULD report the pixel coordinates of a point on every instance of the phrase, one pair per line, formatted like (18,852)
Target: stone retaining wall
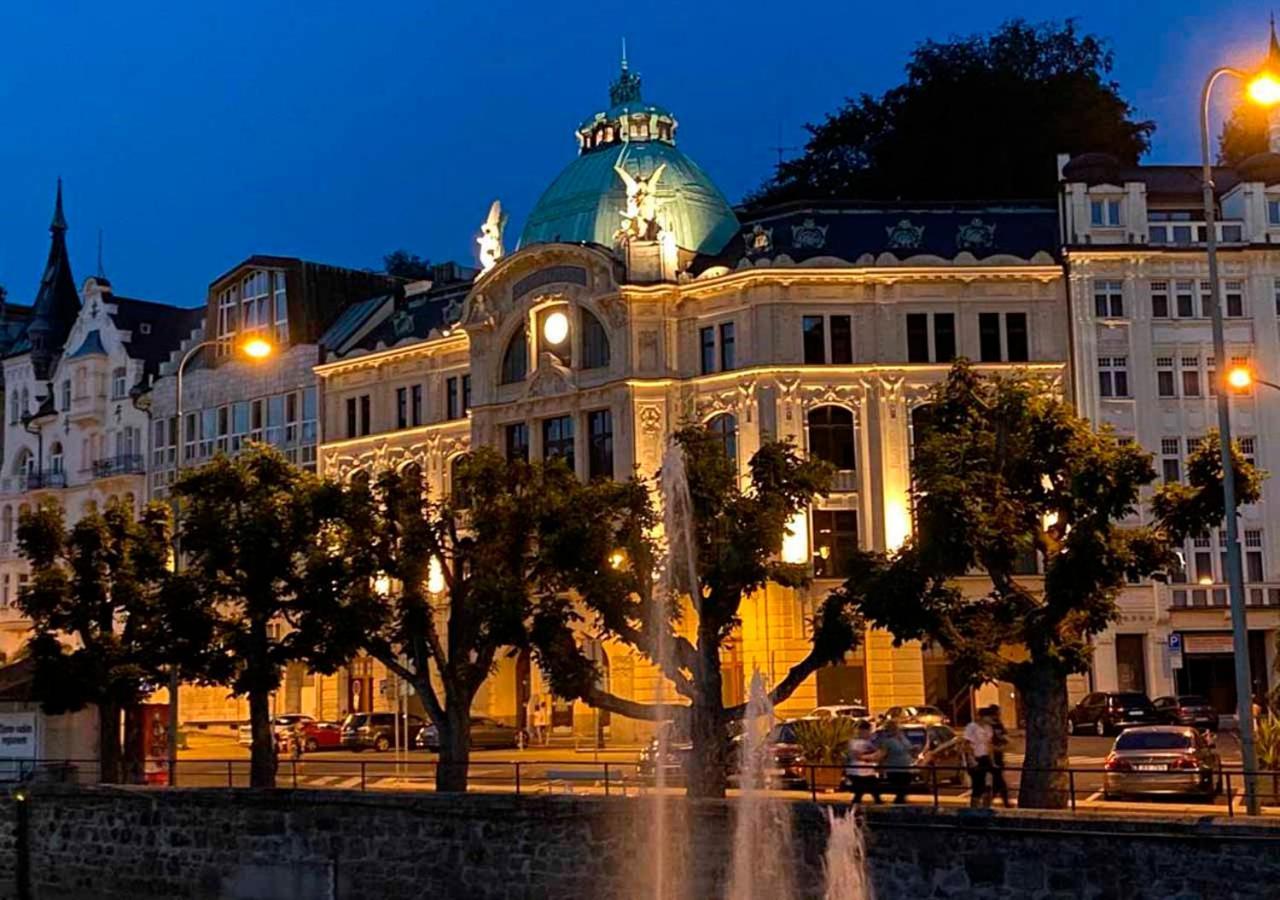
(140,844)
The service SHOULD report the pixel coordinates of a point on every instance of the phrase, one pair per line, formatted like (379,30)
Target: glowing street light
(556,328)
(257,348)
(1264,89)
(1240,378)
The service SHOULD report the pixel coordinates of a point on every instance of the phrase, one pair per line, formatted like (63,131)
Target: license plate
(1150,768)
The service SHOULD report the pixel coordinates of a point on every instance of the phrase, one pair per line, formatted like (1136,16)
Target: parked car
(936,747)
(1104,712)
(784,767)
(847,710)
(1187,709)
(361,731)
(672,758)
(921,715)
(244,734)
(1162,759)
(486,734)
(315,736)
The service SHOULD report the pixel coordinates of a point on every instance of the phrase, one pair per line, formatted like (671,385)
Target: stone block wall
(254,845)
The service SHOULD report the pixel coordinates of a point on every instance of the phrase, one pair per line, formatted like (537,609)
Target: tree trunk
(455,748)
(133,741)
(262,764)
(108,742)
(709,762)
(1044,695)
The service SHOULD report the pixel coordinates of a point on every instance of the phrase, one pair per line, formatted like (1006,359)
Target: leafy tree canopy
(980,117)
(404,264)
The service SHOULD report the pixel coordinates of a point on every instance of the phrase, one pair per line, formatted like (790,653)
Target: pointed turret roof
(57,302)
(1273,48)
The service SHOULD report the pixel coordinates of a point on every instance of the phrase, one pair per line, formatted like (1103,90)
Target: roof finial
(101,273)
(1273,51)
(624,44)
(59,222)
(627,88)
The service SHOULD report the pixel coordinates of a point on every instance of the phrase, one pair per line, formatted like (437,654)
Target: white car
(840,710)
(244,735)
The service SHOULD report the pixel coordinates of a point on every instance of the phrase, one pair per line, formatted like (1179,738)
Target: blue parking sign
(1175,642)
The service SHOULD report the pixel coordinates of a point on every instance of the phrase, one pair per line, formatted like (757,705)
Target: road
(214,759)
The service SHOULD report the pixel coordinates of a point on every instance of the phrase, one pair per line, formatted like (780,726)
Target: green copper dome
(585,203)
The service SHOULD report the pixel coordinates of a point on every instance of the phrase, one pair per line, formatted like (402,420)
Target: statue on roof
(490,239)
(640,218)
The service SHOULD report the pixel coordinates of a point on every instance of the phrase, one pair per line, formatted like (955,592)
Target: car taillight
(1186,762)
(1115,763)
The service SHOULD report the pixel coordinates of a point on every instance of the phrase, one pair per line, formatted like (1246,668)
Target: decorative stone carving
(904,235)
(640,218)
(759,240)
(615,310)
(650,420)
(809,235)
(550,378)
(977,235)
(479,312)
(490,239)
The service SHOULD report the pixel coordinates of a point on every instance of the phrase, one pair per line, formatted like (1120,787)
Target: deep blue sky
(197,133)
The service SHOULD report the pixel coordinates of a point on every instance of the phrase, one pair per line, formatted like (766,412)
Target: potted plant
(825,743)
(1266,740)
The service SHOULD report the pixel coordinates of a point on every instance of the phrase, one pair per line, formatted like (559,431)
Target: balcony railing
(131,464)
(38,480)
(1214,596)
(1190,234)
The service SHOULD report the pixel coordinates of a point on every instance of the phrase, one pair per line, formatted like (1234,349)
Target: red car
(315,736)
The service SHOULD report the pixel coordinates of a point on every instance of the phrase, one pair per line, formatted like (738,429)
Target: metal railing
(127,464)
(935,786)
(38,480)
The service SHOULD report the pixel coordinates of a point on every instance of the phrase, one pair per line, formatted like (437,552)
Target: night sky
(195,134)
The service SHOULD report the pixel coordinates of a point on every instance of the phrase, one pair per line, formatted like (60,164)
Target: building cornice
(427,347)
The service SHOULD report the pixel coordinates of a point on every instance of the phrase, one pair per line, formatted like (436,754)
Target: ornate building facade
(639,301)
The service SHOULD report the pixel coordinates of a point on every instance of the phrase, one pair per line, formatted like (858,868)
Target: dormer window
(1105,213)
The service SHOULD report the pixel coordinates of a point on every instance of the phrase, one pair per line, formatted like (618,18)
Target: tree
(1244,133)
(404,264)
(1006,472)
(254,537)
(732,552)
(101,584)
(979,118)
(465,575)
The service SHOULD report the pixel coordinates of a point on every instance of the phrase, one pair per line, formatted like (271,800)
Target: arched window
(6,524)
(359,479)
(119,379)
(412,474)
(921,421)
(25,406)
(831,437)
(24,464)
(55,457)
(515,362)
(725,429)
(595,343)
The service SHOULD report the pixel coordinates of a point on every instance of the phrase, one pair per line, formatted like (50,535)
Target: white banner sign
(17,743)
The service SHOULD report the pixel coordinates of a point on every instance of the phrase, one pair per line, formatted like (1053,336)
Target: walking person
(897,757)
(543,719)
(999,740)
(861,766)
(978,735)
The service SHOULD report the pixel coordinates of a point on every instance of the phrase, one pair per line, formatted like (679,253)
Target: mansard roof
(155,330)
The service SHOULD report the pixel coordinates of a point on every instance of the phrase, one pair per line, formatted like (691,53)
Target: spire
(101,272)
(1273,49)
(59,222)
(624,43)
(57,302)
(627,88)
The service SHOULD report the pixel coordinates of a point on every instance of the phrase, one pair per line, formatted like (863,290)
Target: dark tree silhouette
(404,264)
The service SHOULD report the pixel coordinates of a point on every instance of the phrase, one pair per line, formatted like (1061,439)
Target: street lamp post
(255,348)
(1265,91)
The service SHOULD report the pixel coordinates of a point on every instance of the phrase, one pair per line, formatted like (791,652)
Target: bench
(566,778)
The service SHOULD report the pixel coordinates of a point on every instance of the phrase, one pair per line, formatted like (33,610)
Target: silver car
(1162,759)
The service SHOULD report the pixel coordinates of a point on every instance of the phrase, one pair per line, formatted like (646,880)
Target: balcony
(118,465)
(88,409)
(1192,234)
(1214,596)
(37,481)
(844,480)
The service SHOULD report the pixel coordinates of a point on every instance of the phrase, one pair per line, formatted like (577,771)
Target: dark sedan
(1105,712)
(378,731)
(486,734)
(1187,709)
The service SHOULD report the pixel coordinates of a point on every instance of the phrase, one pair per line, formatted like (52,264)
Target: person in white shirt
(861,767)
(978,735)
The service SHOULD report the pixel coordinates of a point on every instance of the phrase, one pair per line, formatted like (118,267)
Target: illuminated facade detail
(490,240)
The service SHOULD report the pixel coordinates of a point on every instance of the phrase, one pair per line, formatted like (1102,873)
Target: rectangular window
(364,414)
(1204,566)
(66,394)
(402,407)
(451,398)
(1171,459)
(728,350)
(918,337)
(841,328)
(989,337)
(1159,299)
(1108,299)
(1253,556)
(415,405)
(557,439)
(835,541)
(1191,376)
(282,310)
(1164,377)
(1273,212)
(1275,292)
(600,449)
(1233,294)
(353,422)
(1016,341)
(518,442)
(944,337)
(466,393)
(1248,448)
(1113,376)
(1104,213)
(1185,299)
(815,340)
(707,349)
